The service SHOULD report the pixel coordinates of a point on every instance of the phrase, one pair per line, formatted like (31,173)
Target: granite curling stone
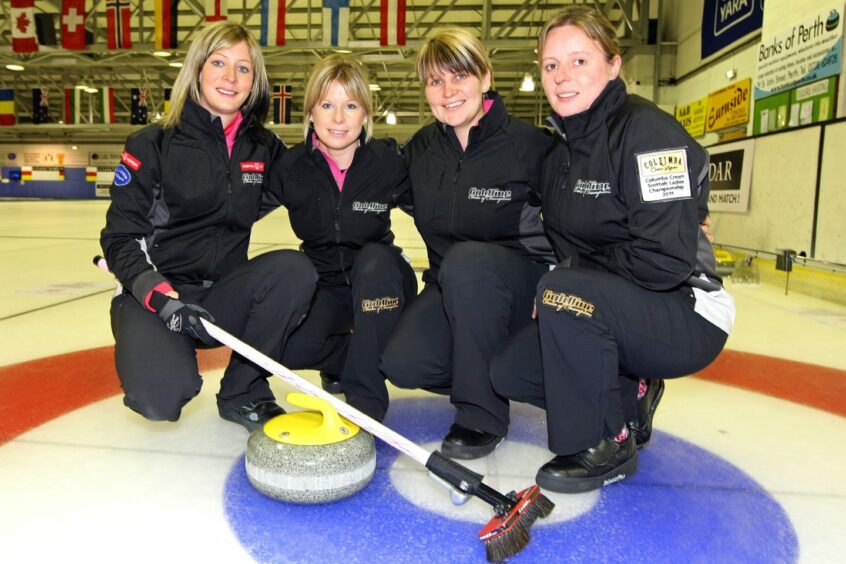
(310,456)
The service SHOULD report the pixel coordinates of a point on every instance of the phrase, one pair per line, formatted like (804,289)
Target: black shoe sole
(462,452)
(582,485)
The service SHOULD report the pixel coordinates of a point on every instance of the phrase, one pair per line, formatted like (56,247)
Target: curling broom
(504,536)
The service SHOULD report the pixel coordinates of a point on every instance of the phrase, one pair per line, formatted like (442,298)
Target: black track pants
(347,326)
(261,302)
(597,333)
(445,341)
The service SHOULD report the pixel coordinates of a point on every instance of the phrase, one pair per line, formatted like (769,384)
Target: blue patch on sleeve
(122,176)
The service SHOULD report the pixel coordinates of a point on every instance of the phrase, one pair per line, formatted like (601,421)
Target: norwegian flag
(22,18)
(282,95)
(73,24)
(272,23)
(392,22)
(216,10)
(118,14)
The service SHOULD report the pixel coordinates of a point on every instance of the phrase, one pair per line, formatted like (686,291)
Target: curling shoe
(250,416)
(331,383)
(646,406)
(467,444)
(590,469)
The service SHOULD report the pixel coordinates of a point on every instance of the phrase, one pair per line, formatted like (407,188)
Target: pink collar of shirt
(338,174)
(231,131)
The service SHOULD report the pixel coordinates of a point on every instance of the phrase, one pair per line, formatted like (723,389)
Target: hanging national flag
(392,22)
(336,22)
(45,29)
(118,24)
(216,10)
(91,174)
(40,105)
(106,105)
(72,113)
(73,24)
(282,96)
(7,106)
(272,23)
(167,92)
(166,13)
(22,18)
(138,115)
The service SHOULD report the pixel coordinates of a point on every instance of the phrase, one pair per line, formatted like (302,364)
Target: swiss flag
(23,26)
(73,24)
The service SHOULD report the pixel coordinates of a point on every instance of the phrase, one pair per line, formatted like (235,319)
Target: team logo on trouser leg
(379,305)
(570,302)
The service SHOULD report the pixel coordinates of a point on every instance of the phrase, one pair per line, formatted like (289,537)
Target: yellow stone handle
(331,420)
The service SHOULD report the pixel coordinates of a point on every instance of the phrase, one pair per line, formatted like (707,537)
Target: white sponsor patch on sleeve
(663,175)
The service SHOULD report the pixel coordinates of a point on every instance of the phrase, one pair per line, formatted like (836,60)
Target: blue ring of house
(684,504)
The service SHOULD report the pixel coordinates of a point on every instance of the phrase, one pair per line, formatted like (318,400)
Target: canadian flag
(73,24)
(23,26)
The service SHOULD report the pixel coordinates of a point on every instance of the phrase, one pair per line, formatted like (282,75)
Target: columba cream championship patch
(663,175)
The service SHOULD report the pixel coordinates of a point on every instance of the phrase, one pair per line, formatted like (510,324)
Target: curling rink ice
(746,463)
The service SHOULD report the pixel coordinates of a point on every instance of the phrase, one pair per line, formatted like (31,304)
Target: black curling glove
(182,318)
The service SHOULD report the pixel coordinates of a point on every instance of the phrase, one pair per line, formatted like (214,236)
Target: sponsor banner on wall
(730,176)
(726,21)
(771,113)
(813,102)
(808,50)
(729,106)
(692,116)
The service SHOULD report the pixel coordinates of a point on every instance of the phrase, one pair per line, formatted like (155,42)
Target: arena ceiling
(508,28)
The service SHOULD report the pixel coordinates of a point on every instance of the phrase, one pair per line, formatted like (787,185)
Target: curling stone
(310,456)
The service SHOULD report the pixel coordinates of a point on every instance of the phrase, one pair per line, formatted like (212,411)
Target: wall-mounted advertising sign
(729,106)
(806,51)
(692,117)
(730,176)
(726,21)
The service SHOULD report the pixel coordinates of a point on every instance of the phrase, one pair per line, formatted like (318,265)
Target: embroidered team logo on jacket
(570,302)
(489,194)
(592,188)
(378,305)
(252,172)
(369,207)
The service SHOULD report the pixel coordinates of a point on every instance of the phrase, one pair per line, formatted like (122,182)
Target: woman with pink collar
(339,187)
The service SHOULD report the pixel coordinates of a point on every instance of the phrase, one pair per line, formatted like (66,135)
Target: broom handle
(367,423)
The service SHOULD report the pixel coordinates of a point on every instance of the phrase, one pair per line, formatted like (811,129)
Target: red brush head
(508,533)
(502,524)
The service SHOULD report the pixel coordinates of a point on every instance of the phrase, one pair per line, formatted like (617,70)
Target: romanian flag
(91,174)
(7,106)
(166,12)
(392,22)
(336,22)
(106,105)
(272,23)
(72,113)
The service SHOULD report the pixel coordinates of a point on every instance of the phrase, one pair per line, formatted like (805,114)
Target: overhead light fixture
(90,89)
(175,64)
(343,51)
(162,53)
(731,73)
(75,147)
(528,84)
(81,86)
(391,118)
(374,87)
(13,67)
